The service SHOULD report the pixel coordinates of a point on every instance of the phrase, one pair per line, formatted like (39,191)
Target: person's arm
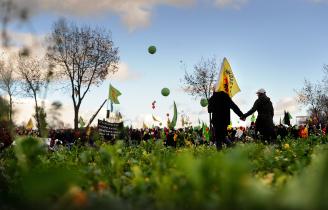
(253,109)
(235,108)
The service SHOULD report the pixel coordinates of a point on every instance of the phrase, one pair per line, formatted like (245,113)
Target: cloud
(27,43)
(235,4)
(241,100)
(25,40)
(141,119)
(124,73)
(133,13)
(289,104)
(24,110)
(35,45)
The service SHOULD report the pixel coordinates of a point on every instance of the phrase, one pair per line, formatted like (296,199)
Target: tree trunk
(37,115)
(10,108)
(76,117)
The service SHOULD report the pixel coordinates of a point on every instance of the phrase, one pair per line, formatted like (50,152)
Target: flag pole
(107,111)
(94,116)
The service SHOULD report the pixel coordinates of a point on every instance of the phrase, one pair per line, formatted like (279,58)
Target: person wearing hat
(264,122)
(219,105)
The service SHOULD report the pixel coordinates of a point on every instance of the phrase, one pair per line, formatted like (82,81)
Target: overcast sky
(270,44)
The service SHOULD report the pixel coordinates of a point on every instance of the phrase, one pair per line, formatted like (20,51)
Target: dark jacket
(265,111)
(219,105)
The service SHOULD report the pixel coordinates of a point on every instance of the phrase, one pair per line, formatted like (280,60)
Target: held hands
(243,117)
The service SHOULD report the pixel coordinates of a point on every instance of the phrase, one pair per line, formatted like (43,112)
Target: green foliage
(291,175)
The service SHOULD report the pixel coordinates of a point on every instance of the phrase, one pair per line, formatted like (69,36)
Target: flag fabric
(227,81)
(114,94)
(29,125)
(155,119)
(81,122)
(290,116)
(253,118)
(120,115)
(144,125)
(175,117)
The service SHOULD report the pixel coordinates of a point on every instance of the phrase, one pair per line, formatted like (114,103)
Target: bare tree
(324,107)
(312,95)
(201,81)
(8,84)
(325,79)
(33,79)
(85,56)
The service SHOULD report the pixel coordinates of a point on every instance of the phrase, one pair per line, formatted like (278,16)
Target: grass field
(290,175)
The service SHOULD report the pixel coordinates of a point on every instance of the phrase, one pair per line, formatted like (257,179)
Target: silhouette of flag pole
(94,116)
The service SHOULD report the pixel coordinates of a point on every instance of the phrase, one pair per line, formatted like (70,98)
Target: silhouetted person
(219,105)
(264,121)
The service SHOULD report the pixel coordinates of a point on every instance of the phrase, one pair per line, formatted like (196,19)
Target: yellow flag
(144,125)
(155,119)
(29,125)
(227,81)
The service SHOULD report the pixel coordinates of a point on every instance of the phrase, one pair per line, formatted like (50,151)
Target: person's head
(261,92)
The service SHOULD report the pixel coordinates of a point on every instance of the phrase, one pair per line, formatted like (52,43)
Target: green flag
(253,118)
(113,94)
(290,116)
(81,122)
(175,117)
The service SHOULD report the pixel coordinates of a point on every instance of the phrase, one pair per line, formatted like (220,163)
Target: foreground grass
(291,175)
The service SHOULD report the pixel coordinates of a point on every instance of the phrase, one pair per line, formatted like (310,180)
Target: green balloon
(165,91)
(152,49)
(203,102)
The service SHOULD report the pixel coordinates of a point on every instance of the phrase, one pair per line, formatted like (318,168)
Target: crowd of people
(198,135)
(187,136)
(218,133)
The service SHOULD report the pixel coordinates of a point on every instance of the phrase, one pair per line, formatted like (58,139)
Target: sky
(270,44)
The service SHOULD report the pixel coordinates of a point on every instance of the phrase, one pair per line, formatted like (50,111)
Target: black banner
(109,129)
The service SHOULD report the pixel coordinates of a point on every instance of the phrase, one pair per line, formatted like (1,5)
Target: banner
(109,129)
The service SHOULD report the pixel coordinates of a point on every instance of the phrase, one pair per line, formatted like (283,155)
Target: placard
(109,129)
